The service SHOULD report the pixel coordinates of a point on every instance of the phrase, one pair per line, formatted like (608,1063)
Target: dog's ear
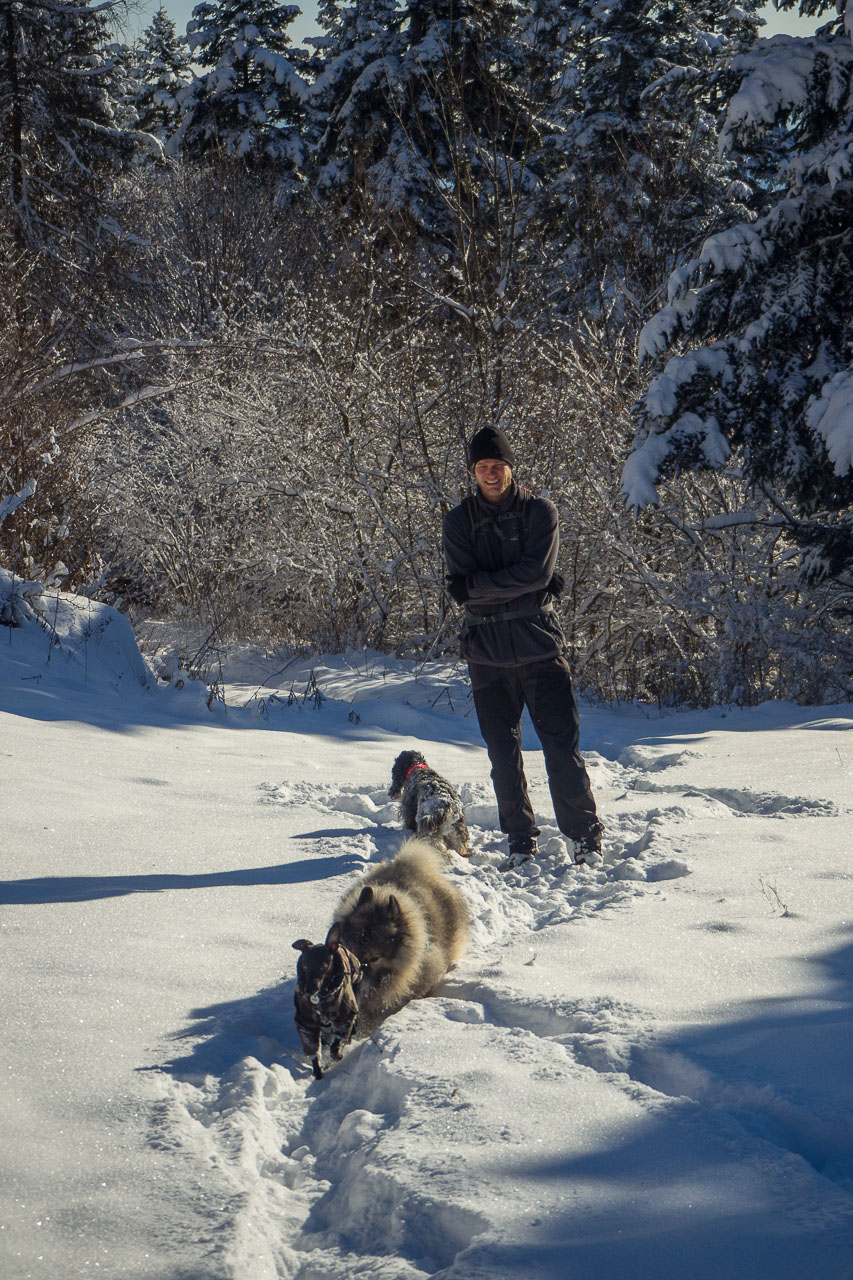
(395,911)
(398,773)
(365,896)
(333,937)
(301,944)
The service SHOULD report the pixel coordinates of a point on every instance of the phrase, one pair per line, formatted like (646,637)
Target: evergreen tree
(61,125)
(63,139)
(765,312)
(249,100)
(422,112)
(162,71)
(630,175)
(356,67)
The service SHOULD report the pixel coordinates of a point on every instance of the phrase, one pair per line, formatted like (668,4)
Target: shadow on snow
(742,1166)
(45,889)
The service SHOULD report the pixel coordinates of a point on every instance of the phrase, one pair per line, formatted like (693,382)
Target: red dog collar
(411,769)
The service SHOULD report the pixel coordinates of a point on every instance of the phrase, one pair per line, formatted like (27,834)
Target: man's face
(493,478)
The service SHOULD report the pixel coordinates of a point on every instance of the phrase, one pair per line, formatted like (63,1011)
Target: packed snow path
(639,1069)
(466,1139)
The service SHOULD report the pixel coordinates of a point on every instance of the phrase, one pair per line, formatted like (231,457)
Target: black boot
(522,848)
(586,849)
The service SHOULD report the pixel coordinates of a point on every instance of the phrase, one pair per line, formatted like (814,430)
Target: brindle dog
(326,997)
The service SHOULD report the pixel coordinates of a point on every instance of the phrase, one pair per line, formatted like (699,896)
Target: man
(501,547)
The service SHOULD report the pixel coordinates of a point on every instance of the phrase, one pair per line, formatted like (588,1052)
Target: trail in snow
(639,1069)
(357,1175)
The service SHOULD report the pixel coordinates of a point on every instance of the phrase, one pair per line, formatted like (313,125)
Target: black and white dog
(429,805)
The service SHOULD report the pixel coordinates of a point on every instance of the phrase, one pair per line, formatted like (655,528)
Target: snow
(11,503)
(776,76)
(639,1069)
(641,472)
(831,417)
(662,395)
(659,333)
(283,71)
(730,250)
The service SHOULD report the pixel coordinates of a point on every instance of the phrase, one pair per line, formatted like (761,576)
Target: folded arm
(533,572)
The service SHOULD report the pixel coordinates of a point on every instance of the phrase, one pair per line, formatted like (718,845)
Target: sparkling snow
(639,1069)
(831,417)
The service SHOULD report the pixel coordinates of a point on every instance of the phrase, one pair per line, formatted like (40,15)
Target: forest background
(256,295)
(138,16)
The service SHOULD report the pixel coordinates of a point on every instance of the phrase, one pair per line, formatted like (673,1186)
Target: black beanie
(490,442)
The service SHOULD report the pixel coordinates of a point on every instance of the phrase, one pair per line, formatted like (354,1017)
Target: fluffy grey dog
(407,924)
(429,805)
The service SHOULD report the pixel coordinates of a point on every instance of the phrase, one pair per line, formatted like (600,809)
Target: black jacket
(507,552)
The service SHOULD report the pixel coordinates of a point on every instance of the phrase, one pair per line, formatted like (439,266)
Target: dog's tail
(426,853)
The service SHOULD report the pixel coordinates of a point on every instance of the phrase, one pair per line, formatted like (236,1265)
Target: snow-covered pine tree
(631,177)
(421,106)
(162,70)
(762,318)
(60,119)
(355,64)
(249,100)
(65,132)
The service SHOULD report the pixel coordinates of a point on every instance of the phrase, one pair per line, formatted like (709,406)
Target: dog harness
(351,971)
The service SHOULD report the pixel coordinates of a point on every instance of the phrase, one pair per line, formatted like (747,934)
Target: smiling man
(500,545)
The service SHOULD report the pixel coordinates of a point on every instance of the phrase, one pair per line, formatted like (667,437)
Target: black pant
(500,695)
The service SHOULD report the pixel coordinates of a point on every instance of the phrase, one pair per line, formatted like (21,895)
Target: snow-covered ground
(639,1070)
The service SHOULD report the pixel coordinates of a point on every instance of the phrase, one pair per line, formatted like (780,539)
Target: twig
(771,894)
